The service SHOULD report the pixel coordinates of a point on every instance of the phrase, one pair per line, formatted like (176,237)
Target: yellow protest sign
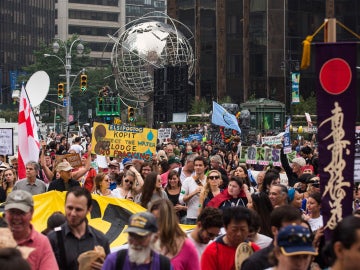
(123,141)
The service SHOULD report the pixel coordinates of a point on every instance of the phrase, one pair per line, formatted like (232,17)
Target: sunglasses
(128,181)
(214,177)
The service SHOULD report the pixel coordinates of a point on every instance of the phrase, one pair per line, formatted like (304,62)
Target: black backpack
(120,259)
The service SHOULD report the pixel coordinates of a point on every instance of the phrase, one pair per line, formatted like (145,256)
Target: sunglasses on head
(214,177)
(128,181)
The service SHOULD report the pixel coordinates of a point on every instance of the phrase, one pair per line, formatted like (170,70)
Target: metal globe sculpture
(145,45)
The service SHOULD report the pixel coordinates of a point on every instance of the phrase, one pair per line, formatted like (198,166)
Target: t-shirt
(218,255)
(316,223)
(199,247)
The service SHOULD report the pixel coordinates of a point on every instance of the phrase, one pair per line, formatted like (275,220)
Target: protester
(65,182)
(220,254)
(19,210)
(174,163)
(280,217)
(261,204)
(56,219)
(188,169)
(145,169)
(31,183)
(102,185)
(128,188)
(208,225)
(216,163)
(76,236)
(278,195)
(313,214)
(11,259)
(294,250)
(293,172)
(172,189)
(151,190)
(191,189)
(8,180)
(211,189)
(342,250)
(173,242)
(142,234)
(254,231)
(237,194)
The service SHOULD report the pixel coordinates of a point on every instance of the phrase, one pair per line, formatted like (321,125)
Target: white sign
(6,141)
(164,133)
(272,140)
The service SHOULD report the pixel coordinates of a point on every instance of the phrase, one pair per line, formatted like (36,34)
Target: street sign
(65,102)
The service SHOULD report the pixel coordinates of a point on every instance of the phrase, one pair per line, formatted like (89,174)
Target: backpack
(120,259)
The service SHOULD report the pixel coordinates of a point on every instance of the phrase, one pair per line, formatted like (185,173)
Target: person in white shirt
(191,189)
(76,146)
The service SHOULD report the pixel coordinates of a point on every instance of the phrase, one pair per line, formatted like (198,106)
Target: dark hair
(11,259)
(117,177)
(77,139)
(78,192)
(164,165)
(201,158)
(148,188)
(316,196)
(345,233)
(54,220)
(238,180)
(210,217)
(237,213)
(306,150)
(269,177)
(284,213)
(262,205)
(170,175)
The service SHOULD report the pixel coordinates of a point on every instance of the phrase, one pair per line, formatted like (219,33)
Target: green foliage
(10,115)
(308,105)
(226,99)
(200,106)
(81,101)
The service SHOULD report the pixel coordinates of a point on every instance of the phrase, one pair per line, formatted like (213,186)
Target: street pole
(67,66)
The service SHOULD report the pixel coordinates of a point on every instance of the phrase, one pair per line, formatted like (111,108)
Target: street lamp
(67,66)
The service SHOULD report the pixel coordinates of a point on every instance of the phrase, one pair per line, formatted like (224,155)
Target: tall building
(94,20)
(24,25)
(247,49)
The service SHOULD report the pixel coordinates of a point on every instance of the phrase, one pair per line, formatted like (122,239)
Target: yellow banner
(108,215)
(124,141)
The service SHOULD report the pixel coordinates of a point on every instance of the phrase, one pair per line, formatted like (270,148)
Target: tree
(81,102)
(200,106)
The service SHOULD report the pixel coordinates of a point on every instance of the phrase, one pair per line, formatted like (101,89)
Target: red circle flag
(335,76)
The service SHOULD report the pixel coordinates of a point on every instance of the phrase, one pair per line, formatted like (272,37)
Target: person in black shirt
(65,182)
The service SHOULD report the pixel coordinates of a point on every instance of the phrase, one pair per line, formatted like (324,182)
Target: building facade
(24,26)
(248,49)
(94,20)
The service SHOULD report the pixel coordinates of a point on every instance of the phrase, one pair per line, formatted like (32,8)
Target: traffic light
(60,91)
(83,82)
(131,114)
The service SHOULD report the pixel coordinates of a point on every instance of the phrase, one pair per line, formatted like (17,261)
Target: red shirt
(219,256)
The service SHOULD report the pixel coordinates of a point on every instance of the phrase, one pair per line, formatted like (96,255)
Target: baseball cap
(142,224)
(295,240)
(127,162)
(64,166)
(114,163)
(299,160)
(173,159)
(19,199)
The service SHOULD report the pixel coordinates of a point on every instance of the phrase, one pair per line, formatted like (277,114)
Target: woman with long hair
(172,189)
(102,185)
(151,190)
(232,161)
(173,242)
(128,186)
(211,188)
(242,172)
(261,204)
(8,180)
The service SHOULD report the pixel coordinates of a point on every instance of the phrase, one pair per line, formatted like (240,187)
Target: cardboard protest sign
(124,141)
(73,158)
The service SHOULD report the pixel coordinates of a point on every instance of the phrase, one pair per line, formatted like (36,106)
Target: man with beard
(208,225)
(142,230)
(75,236)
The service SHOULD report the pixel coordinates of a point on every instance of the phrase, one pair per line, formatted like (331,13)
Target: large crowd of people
(242,216)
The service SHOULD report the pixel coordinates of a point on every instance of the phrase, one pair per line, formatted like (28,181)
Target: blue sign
(65,102)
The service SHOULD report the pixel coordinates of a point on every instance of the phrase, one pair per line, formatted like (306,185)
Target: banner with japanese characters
(336,112)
